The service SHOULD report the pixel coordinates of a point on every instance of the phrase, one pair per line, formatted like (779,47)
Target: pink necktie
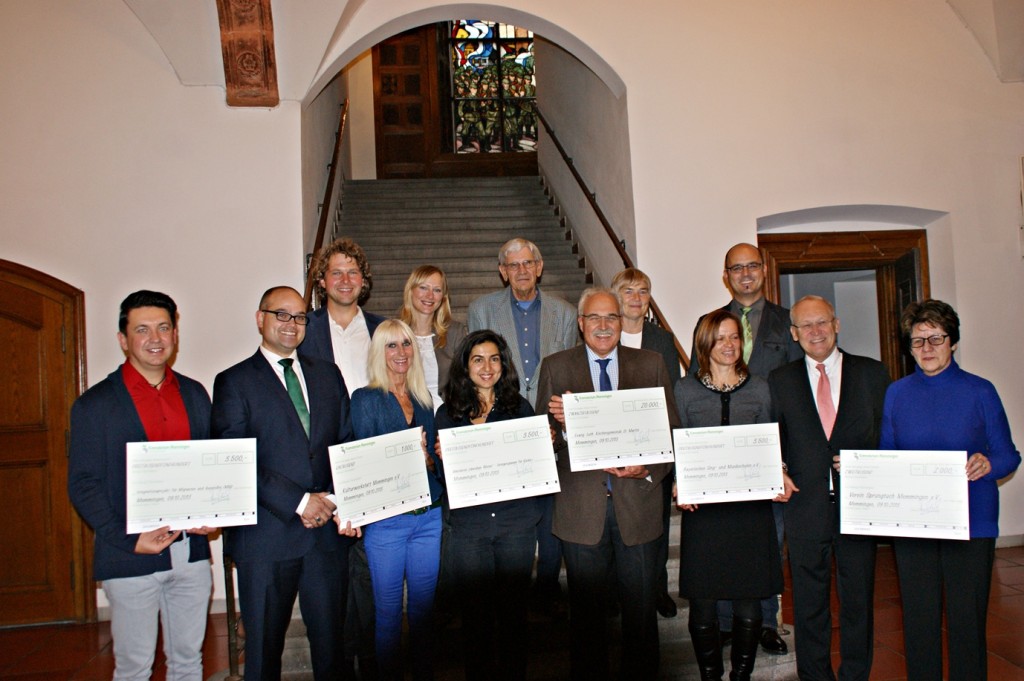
(826,410)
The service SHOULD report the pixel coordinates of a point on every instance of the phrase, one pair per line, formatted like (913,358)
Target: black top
(501,516)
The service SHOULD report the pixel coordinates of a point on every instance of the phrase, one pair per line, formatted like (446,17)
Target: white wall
(115,178)
(319,133)
(592,125)
(360,118)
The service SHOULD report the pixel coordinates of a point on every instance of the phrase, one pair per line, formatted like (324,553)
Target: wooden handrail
(616,241)
(325,207)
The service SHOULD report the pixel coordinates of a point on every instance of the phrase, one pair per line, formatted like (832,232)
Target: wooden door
(404,101)
(898,257)
(42,574)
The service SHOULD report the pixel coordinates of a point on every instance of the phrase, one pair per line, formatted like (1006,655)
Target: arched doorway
(44,576)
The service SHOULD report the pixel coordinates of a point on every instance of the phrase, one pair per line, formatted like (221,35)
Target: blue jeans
(492,576)
(404,551)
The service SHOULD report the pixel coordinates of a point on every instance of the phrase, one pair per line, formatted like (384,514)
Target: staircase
(458,225)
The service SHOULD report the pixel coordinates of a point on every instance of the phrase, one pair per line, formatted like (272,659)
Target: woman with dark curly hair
(941,407)
(493,544)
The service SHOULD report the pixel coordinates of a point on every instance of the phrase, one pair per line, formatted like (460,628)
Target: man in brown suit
(608,520)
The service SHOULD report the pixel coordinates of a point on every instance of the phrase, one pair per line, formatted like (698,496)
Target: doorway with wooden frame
(895,261)
(45,575)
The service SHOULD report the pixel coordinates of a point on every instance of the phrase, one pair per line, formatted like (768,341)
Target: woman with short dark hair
(941,407)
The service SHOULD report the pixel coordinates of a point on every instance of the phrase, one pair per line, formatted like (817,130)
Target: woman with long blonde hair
(427,310)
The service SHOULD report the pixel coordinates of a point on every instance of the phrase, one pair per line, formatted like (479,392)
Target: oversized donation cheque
(498,461)
(617,428)
(728,463)
(190,483)
(904,494)
(380,477)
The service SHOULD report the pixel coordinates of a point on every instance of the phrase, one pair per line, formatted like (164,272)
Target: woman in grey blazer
(427,310)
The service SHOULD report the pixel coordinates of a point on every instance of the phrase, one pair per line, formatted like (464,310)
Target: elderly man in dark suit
(609,521)
(767,345)
(296,407)
(534,325)
(826,402)
(156,575)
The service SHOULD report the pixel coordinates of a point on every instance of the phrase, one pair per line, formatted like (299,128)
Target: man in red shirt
(158,575)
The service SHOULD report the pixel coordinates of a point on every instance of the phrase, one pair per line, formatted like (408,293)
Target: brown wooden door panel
(37,382)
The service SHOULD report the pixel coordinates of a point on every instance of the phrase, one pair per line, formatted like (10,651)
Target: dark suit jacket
(444,356)
(773,344)
(103,420)
(662,342)
(580,506)
(249,400)
(809,514)
(318,334)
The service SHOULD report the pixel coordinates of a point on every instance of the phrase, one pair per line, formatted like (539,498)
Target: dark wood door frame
(73,341)
(882,251)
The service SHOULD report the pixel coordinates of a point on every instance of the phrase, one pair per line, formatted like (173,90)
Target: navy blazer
(773,345)
(808,454)
(103,421)
(377,412)
(318,334)
(249,400)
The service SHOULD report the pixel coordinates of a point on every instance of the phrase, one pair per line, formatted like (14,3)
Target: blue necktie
(604,380)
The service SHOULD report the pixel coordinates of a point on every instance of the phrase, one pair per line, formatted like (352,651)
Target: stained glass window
(493,87)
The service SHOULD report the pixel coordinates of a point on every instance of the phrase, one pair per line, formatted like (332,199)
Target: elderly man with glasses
(535,325)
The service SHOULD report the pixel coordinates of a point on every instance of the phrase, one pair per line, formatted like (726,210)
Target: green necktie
(748,335)
(291,381)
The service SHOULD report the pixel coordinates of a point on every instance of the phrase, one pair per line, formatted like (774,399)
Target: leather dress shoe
(667,606)
(772,643)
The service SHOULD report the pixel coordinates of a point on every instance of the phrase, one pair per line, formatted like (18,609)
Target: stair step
(457,224)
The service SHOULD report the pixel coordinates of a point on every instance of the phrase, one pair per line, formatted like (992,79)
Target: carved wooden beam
(247,43)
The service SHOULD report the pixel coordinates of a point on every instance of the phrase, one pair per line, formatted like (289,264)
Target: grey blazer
(558,330)
(580,506)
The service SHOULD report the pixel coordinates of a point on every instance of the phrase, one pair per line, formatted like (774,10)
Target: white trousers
(178,599)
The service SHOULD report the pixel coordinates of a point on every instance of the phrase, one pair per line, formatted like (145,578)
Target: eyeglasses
(300,319)
(820,324)
(522,264)
(750,266)
(597,318)
(932,340)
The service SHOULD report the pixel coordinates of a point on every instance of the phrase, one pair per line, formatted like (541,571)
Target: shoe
(667,606)
(772,643)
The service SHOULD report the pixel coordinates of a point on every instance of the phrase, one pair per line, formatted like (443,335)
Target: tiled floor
(84,651)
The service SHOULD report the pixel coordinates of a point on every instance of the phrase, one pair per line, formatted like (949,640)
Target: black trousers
(810,562)
(266,594)
(960,571)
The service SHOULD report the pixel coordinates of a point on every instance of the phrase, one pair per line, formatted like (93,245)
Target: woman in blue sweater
(942,407)
(404,550)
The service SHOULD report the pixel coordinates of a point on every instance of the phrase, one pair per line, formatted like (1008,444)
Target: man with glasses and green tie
(767,345)
(296,407)
(534,325)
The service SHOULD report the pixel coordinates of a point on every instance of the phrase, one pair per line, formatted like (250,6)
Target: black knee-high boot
(746,634)
(708,649)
